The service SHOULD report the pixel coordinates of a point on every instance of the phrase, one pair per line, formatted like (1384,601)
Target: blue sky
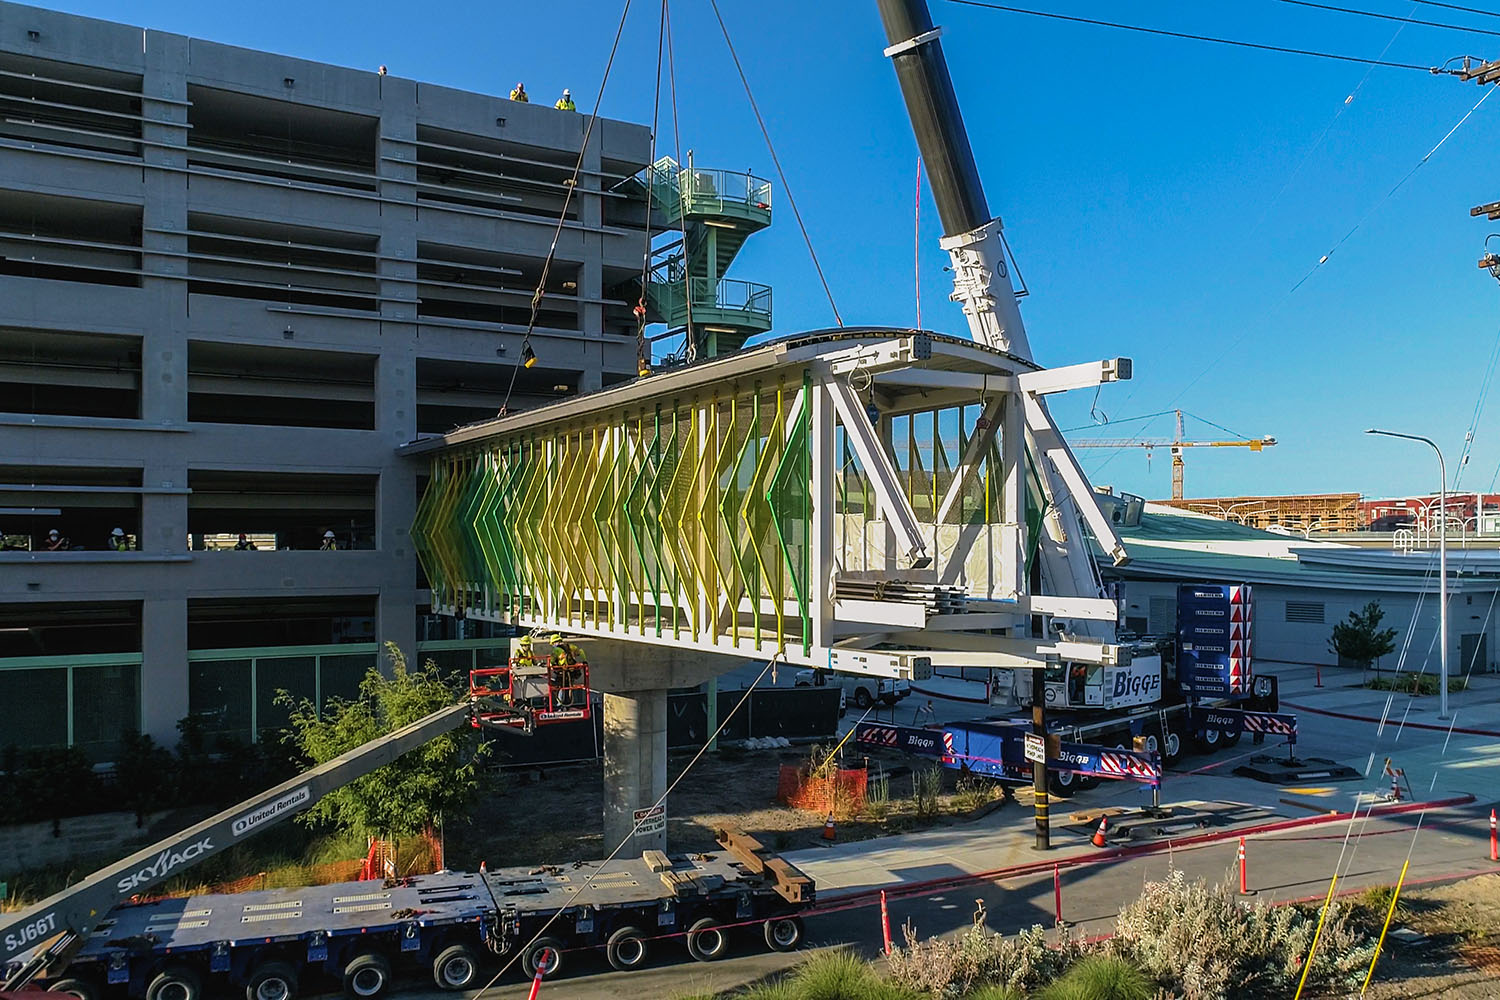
(1162,196)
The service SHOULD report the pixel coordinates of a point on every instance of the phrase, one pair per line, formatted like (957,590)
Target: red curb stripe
(904,890)
(1407,725)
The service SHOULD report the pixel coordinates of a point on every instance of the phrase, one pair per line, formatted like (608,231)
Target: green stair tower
(717,211)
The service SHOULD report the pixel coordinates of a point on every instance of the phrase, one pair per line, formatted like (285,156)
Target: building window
(1305,612)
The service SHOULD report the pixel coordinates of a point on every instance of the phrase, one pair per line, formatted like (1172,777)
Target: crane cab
(543,682)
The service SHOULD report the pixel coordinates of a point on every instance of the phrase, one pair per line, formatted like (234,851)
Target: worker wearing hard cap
(567,666)
(55,541)
(118,542)
(519,94)
(565,102)
(330,544)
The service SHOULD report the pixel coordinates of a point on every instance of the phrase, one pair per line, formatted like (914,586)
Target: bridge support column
(635,767)
(635,678)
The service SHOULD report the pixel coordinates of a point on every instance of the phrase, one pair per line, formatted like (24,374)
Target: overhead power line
(1315,53)
(1454,6)
(1391,17)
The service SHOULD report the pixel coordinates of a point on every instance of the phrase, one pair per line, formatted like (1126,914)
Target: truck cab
(862,690)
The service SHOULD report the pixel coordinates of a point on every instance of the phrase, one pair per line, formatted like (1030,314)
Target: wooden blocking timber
(656,861)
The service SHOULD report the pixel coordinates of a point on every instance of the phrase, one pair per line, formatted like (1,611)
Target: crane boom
(1176,444)
(57,927)
(982,286)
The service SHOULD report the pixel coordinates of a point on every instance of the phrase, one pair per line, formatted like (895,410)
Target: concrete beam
(622,667)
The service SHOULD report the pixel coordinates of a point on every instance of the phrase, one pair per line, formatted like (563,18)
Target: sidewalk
(1475,710)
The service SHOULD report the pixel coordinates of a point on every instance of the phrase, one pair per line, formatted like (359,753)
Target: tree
(144,775)
(1361,639)
(439,779)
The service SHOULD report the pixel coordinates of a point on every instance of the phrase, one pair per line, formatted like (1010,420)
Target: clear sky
(1162,196)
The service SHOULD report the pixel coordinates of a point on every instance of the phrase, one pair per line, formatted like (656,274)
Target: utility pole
(1039,767)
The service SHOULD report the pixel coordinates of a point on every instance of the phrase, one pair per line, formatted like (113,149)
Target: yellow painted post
(1387,926)
(1318,933)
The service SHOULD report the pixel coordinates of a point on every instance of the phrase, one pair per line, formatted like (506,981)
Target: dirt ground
(1461,957)
(531,817)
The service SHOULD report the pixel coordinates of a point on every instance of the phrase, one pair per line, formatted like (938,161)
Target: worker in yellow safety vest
(519,94)
(567,668)
(565,102)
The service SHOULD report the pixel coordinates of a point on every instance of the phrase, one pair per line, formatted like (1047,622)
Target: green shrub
(972,792)
(926,787)
(996,992)
(1101,977)
(953,967)
(878,797)
(1201,943)
(837,975)
(1413,683)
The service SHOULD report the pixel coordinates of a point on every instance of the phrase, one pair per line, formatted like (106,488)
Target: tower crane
(1176,444)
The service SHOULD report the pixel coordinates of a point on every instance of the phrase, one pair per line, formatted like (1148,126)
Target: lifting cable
(780,655)
(689,340)
(787,187)
(642,349)
(571,185)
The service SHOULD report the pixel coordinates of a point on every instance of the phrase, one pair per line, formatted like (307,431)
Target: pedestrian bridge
(858,498)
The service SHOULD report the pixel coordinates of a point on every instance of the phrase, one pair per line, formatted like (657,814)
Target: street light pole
(1442,563)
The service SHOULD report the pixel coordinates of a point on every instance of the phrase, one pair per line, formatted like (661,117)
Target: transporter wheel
(456,967)
(783,933)
(1230,739)
(626,949)
(176,982)
(1062,784)
(706,940)
(366,976)
(76,987)
(531,958)
(1209,740)
(271,981)
(862,699)
(1088,781)
(1171,747)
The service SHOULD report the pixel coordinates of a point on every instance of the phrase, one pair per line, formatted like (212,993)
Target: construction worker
(118,542)
(567,670)
(519,94)
(330,544)
(244,544)
(565,102)
(56,542)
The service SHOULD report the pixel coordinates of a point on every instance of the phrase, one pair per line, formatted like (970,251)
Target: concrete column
(164,667)
(635,766)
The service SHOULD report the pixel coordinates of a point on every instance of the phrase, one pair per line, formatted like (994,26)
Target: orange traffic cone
(1098,838)
(828,831)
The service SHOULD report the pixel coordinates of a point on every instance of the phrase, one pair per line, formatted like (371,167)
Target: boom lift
(535,687)
(40,940)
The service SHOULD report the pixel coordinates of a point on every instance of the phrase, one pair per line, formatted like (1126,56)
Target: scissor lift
(543,685)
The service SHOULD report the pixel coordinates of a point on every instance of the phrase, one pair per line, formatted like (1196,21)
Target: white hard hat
(52,533)
(327,534)
(567,92)
(118,531)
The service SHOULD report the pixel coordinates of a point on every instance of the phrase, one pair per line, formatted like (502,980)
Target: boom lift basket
(532,690)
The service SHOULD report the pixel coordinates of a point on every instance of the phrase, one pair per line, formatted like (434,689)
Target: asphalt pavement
(935,877)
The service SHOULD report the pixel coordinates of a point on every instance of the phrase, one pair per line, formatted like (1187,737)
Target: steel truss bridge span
(863,499)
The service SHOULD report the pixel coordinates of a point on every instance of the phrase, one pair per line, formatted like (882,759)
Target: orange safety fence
(421,855)
(840,792)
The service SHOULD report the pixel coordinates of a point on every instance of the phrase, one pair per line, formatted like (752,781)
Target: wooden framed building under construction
(1305,512)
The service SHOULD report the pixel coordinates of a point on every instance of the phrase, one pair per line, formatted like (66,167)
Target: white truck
(862,690)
